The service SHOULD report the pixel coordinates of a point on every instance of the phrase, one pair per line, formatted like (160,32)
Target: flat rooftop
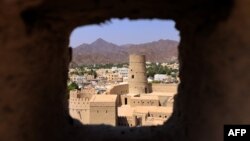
(146,96)
(154,94)
(126,110)
(153,109)
(103,98)
(154,121)
(132,94)
(162,93)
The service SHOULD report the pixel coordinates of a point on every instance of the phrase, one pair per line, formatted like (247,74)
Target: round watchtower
(137,75)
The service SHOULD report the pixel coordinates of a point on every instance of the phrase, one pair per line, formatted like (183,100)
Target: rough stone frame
(213,55)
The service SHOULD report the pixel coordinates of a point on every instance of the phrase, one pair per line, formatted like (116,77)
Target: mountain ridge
(103,52)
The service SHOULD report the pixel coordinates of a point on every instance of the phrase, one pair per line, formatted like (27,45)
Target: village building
(135,103)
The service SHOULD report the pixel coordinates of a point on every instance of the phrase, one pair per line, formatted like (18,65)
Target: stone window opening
(126,101)
(145,89)
(132,76)
(205,48)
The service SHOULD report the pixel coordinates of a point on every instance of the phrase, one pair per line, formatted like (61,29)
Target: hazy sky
(125,31)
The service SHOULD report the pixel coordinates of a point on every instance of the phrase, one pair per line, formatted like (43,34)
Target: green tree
(73,86)
(157,69)
(92,72)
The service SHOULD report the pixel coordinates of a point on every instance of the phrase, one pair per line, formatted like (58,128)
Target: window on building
(132,76)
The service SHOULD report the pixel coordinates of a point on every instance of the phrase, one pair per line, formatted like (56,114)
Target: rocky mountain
(102,52)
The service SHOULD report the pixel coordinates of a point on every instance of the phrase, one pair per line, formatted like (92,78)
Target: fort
(213,55)
(137,103)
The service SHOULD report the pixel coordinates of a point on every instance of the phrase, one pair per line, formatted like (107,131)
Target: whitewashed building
(160,77)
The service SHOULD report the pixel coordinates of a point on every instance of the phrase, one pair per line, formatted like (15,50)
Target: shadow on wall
(214,57)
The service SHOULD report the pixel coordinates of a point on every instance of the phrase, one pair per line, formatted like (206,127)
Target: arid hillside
(102,52)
